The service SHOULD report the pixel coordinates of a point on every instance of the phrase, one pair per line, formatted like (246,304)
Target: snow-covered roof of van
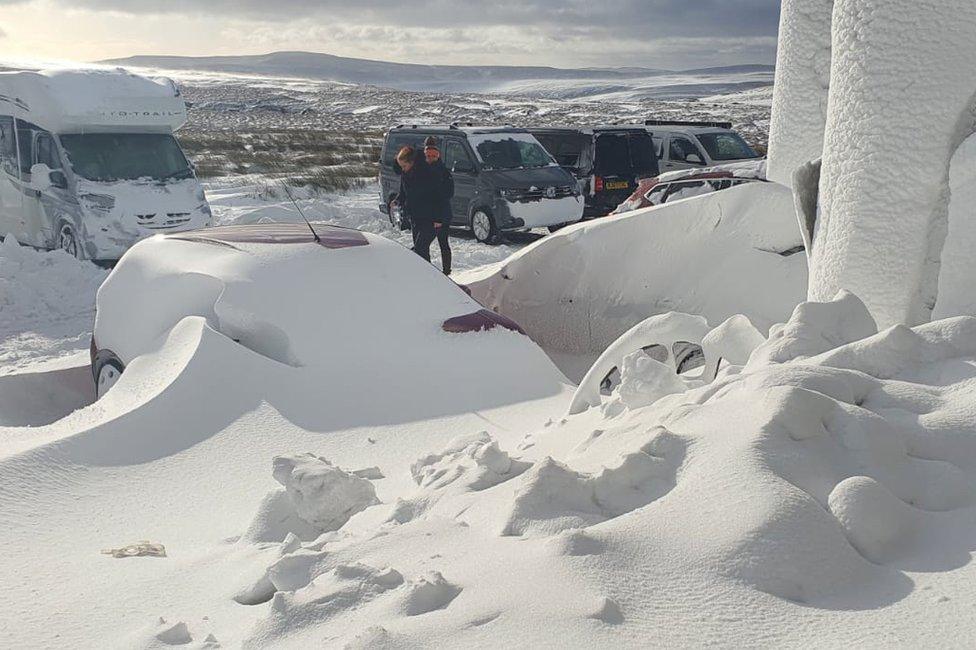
(92,99)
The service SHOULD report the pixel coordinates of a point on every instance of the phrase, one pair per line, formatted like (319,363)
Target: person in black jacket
(442,206)
(426,188)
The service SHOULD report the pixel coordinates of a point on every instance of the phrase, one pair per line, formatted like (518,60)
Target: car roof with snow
(93,100)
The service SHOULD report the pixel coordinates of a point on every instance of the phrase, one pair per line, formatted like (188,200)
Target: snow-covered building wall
(796,128)
(902,88)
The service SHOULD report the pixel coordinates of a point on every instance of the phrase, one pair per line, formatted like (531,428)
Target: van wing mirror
(694,159)
(463,166)
(40,177)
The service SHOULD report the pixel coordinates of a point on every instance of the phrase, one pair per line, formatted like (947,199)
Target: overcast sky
(566,33)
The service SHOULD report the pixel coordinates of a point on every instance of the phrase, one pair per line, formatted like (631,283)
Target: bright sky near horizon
(565,33)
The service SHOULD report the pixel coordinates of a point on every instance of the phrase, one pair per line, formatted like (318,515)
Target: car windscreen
(726,146)
(505,152)
(625,154)
(125,156)
(569,149)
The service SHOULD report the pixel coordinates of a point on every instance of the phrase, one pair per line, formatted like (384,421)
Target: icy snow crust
(896,118)
(800,93)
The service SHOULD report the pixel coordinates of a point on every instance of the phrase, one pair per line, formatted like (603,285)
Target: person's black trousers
(424,234)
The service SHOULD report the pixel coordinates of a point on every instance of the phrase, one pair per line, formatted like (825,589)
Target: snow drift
(824,490)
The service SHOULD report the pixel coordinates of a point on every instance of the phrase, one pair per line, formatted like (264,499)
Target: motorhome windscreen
(506,153)
(726,146)
(125,156)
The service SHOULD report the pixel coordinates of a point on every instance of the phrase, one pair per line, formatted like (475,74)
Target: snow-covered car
(689,182)
(504,180)
(89,162)
(299,295)
(688,145)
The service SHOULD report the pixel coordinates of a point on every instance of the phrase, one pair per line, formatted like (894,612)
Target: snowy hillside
(628,84)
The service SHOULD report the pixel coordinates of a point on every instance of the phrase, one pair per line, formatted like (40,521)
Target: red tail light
(597,184)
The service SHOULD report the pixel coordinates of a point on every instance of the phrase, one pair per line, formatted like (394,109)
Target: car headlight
(98,202)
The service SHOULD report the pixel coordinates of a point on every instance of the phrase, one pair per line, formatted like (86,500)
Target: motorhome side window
(25,137)
(8,145)
(47,151)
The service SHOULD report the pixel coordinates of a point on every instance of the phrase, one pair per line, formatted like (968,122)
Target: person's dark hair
(430,142)
(406,154)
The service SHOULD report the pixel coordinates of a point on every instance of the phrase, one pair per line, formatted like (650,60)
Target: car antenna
(299,208)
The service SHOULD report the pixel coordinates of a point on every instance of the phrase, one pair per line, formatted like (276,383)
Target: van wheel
(483,227)
(68,241)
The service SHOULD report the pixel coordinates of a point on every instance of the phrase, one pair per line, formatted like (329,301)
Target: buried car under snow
(335,299)
(89,163)
(685,183)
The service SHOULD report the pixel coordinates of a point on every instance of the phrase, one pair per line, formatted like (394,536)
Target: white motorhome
(89,163)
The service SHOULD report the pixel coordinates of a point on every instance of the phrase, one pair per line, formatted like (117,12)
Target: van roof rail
(424,126)
(717,125)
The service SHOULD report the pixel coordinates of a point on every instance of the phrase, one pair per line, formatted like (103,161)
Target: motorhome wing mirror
(40,177)
(694,159)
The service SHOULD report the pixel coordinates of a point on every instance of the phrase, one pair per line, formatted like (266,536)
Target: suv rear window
(625,154)
(726,146)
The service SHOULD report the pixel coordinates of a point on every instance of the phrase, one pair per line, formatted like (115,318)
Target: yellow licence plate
(617,185)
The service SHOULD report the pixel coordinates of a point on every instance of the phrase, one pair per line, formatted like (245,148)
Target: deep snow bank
(823,493)
(899,67)
(47,302)
(715,255)
(799,114)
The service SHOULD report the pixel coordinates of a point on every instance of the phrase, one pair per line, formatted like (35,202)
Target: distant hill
(620,83)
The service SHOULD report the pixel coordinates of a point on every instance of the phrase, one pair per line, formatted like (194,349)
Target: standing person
(418,198)
(443,214)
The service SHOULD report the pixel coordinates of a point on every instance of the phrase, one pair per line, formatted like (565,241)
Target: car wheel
(108,375)
(68,241)
(483,227)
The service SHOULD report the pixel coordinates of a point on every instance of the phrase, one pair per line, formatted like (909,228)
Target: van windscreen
(125,156)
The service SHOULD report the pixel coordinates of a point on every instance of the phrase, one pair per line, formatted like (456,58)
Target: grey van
(504,180)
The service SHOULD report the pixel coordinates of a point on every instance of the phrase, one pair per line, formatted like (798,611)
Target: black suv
(607,161)
(504,180)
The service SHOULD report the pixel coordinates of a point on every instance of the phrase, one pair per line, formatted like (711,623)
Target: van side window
(454,152)
(8,145)
(47,151)
(397,142)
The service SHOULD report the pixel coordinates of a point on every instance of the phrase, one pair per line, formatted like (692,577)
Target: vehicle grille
(171,220)
(561,191)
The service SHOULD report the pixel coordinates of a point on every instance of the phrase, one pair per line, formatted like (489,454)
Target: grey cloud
(649,18)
